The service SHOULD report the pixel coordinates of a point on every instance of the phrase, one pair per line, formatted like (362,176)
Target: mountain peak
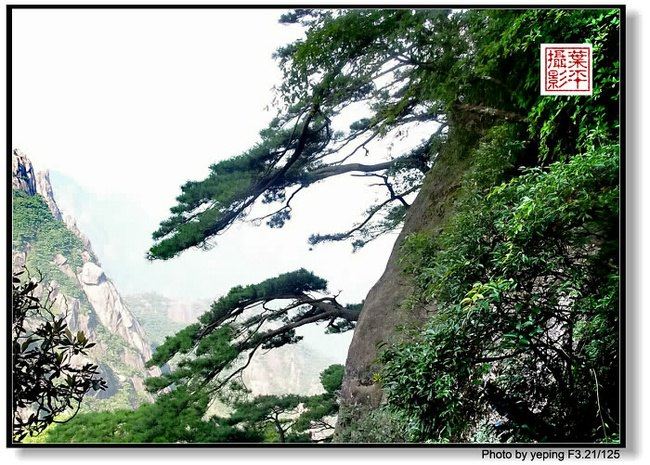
(22,173)
(25,178)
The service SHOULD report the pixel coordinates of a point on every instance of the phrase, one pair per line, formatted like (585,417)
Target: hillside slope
(50,245)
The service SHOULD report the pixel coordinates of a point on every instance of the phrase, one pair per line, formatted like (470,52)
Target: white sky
(126,99)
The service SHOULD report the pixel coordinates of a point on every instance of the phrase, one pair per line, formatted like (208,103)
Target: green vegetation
(180,417)
(365,424)
(36,228)
(293,418)
(33,223)
(174,418)
(527,294)
(525,274)
(272,416)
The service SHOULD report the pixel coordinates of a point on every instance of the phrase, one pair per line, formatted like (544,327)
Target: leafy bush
(47,380)
(527,295)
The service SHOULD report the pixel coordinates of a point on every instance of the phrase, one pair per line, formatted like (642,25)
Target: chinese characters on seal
(566,69)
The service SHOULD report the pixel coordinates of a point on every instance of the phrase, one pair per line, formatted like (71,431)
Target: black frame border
(622,233)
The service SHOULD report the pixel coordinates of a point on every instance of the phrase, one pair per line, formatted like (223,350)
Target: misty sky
(124,106)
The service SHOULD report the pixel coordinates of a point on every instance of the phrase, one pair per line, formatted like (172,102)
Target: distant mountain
(51,245)
(127,328)
(290,369)
(162,316)
(119,226)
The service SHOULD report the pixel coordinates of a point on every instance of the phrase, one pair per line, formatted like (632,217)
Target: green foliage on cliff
(33,223)
(36,232)
(527,295)
(35,228)
(524,344)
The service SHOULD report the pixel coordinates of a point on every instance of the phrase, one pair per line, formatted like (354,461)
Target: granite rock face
(18,260)
(22,173)
(44,187)
(384,315)
(91,274)
(87,254)
(112,312)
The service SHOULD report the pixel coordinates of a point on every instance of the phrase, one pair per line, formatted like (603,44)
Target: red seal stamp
(566,69)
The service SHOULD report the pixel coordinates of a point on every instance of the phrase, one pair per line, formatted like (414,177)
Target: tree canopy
(175,417)
(291,417)
(396,63)
(182,416)
(405,68)
(249,318)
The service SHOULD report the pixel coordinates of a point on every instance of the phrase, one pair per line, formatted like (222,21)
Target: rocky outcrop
(22,173)
(384,312)
(44,187)
(25,178)
(78,321)
(87,254)
(62,264)
(112,381)
(138,383)
(18,260)
(113,313)
(92,275)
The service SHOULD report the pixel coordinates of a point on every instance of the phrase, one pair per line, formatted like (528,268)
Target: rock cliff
(80,287)
(385,312)
(22,173)
(44,188)
(111,310)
